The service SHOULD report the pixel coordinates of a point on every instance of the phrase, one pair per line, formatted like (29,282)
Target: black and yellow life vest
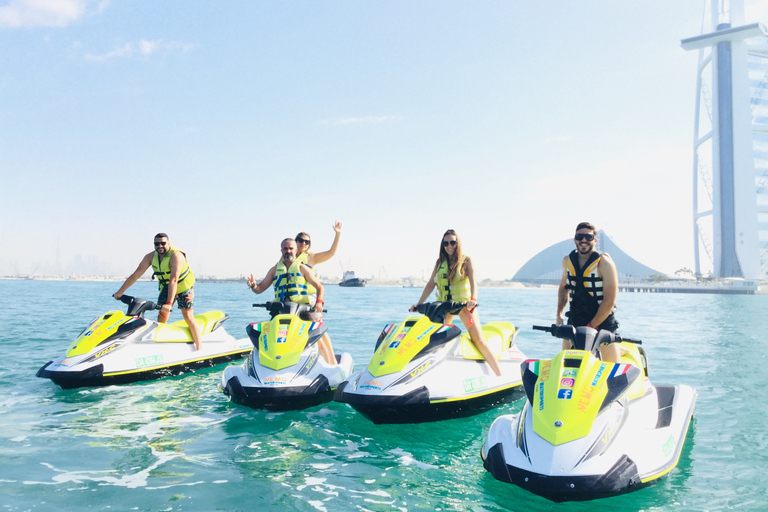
(458,290)
(585,288)
(162,270)
(290,285)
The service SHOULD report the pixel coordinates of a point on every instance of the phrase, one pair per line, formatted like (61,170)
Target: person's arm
(146,262)
(264,284)
(428,289)
(311,279)
(320,257)
(470,273)
(607,270)
(562,295)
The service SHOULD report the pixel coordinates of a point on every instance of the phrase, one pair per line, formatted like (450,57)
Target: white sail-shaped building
(730,167)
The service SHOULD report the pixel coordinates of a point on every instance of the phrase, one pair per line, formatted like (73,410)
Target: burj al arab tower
(730,164)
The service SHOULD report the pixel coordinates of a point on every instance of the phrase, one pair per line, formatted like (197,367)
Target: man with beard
(175,280)
(591,283)
(290,277)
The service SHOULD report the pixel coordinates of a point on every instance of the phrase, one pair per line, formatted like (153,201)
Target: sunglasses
(303,241)
(584,236)
(446,243)
(159,244)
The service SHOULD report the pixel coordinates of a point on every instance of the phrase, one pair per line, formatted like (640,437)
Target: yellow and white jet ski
(423,370)
(119,348)
(285,370)
(589,428)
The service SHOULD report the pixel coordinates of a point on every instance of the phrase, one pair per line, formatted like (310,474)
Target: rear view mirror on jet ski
(118,348)
(589,428)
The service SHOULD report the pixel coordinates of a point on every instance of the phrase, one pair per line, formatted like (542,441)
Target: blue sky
(233,125)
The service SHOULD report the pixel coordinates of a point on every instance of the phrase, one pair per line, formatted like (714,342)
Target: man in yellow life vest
(291,278)
(175,279)
(590,284)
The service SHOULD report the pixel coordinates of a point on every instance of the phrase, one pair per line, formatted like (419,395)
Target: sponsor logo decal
(400,336)
(474,384)
(586,397)
(570,372)
(564,394)
(573,353)
(541,396)
(394,344)
(264,342)
(276,381)
(544,367)
(141,362)
(301,331)
(567,383)
(425,333)
(282,333)
(598,374)
(371,384)
(281,340)
(669,446)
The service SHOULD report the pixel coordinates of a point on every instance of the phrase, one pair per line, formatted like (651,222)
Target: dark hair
(286,240)
(161,235)
(587,225)
(453,261)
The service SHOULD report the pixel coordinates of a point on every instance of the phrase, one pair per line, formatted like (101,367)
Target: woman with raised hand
(304,242)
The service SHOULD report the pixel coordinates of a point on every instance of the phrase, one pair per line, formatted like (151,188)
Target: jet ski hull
(630,445)
(95,375)
(416,406)
(311,382)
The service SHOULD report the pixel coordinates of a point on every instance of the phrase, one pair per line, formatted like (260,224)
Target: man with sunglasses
(175,280)
(292,278)
(590,284)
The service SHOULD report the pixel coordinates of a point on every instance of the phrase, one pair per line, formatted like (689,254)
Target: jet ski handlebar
(569,332)
(286,308)
(136,306)
(437,311)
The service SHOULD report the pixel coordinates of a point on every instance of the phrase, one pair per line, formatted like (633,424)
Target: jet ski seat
(497,334)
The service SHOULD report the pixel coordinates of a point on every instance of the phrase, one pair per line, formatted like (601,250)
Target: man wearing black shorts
(176,280)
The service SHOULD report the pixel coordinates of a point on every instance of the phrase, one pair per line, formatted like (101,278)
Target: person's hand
(250,281)
(413,308)
(116,296)
(471,305)
(319,306)
(559,320)
(167,307)
(337,226)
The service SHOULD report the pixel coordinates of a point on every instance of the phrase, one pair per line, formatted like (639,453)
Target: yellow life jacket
(290,285)
(303,257)
(162,270)
(457,290)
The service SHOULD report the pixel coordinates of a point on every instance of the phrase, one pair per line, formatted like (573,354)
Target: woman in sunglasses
(303,243)
(454,278)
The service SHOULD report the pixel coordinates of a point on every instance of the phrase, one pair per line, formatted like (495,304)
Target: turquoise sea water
(178,444)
